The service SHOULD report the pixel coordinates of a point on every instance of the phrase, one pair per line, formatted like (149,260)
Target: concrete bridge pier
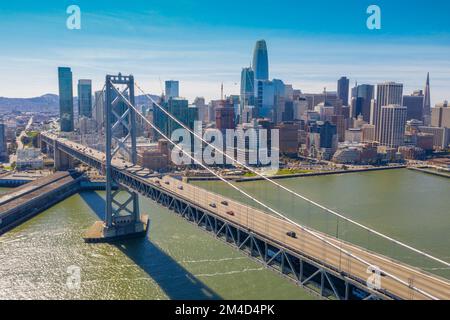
(63,161)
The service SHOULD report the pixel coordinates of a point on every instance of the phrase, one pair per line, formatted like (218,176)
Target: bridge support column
(122,218)
(63,162)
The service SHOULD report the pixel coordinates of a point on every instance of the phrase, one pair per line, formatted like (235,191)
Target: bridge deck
(276,229)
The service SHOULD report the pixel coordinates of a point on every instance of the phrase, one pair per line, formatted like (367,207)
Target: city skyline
(306,55)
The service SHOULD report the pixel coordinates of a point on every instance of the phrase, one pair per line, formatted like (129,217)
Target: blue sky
(203,43)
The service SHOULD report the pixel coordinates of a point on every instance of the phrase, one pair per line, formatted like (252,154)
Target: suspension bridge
(332,267)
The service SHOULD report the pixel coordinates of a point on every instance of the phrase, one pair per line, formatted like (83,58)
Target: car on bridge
(212,205)
(225,203)
(291,234)
(230,213)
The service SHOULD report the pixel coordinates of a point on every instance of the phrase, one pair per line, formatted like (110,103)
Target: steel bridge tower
(122,216)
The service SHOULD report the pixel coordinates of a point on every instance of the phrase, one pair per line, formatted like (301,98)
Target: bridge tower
(122,216)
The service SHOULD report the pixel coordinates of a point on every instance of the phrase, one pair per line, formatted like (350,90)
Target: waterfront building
(154,156)
(322,141)
(29,158)
(288,138)
(65,99)
(368,133)
(353,135)
(441,136)
(343,90)
(84,98)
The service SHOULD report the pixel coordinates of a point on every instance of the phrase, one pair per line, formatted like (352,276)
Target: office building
(414,105)
(3,145)
(440,115)
(225,117)
(362,96)
(247,88)
(65,99)
(343,90)
(84,98)
(261,61)
(172,89)
(99,111)
(392,125)
(388,93)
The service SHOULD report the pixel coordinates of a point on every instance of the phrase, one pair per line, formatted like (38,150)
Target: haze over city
(310,45)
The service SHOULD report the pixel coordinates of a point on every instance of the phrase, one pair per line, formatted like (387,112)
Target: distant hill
(48,103)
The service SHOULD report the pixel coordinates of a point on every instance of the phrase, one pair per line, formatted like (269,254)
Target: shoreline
(295,175)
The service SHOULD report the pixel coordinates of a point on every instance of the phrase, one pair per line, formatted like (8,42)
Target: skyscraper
(414,105)
(247,87)
(84,98)
(427,103)
(388,93)
(172,89)
(65,99)
(265,99)
(343,90)
(261,61)
(362,95)
(99,108)
(392,125)
(3,147)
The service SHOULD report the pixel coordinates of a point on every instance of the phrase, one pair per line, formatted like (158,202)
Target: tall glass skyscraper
(172,89)
(85,98)
(261,61)
(343,90)
(362,96)
(65,99)
(247,87)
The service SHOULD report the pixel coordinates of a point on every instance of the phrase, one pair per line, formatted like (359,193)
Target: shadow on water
(172,278)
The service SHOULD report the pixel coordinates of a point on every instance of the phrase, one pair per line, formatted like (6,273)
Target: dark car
(212,205)
(292,234)
(225,203)
(230,213)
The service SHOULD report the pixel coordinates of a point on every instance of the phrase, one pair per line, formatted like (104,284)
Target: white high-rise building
(388,93)
(392,125)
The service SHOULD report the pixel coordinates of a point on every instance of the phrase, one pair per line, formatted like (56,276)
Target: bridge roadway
(276,229)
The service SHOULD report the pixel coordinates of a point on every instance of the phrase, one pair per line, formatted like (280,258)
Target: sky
(205,43)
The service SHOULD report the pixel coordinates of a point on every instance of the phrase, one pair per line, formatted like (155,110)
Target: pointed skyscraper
(427,103)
